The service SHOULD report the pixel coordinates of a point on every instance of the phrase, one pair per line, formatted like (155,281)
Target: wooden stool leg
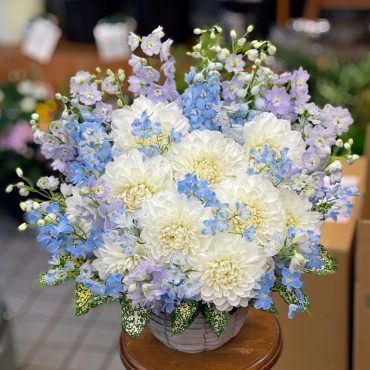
(312,9)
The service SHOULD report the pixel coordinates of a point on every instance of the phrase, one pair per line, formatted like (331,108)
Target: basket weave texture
(199,337)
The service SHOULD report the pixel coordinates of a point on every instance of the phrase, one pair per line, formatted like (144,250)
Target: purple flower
(283,78)
(278,101)
(133,41)
(137,63)
(337,118)
(137,85)
(148,74)
(109,85)
(321,138)
(234,63)
(165,50)
(169,68)
(151,44)
(89,94)
(312,159)
(299,87)
(103,111)
(231,88)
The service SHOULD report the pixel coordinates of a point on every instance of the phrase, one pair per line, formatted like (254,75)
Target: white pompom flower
(133,180)
(111,258)
(299,212)
(262,201)
(172,223)
(229,271)
(276,133)
(209,155)
(168,115)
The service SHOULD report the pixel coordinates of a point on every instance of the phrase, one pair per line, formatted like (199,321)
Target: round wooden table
(256,347)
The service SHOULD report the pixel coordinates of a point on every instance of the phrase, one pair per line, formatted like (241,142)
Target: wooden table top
(256,347)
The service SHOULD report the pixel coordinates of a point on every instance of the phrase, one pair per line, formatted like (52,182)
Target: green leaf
(329,265)
(85,300)
(290,296)
(133,318)
(183,316)
(216,319)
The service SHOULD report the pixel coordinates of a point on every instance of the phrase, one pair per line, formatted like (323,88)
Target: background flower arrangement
(204,201)
(18,99)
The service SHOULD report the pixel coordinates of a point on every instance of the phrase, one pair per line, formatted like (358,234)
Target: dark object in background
(172,15)
(7,361)
(81,16)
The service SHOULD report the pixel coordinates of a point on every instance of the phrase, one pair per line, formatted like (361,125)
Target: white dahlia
(276,133)
(171,223)
(168,115)
(229,271)
(262,201)
(299,212)
(133,180)
(110,258)
(209,155)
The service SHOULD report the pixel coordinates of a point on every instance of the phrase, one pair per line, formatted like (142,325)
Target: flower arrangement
(200,202)
(18,99)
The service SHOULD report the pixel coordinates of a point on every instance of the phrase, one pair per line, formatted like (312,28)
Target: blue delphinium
(200,100)
(291,280)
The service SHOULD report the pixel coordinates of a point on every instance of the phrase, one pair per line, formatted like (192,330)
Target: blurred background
(44,42)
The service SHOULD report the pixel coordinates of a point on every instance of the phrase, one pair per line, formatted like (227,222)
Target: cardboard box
(322,340)
(361,334)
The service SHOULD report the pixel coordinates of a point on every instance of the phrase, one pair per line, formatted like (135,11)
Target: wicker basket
(199,337)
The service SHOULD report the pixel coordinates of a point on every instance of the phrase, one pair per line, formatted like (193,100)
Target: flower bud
(250,28)
(197,31)
(233,35)
(22,227)
(19,172)
(339,143)
(9,189)
(255,90)
(198,46)
(350,141)
(24,192)
(58,96)
(23,206)
(271,49)
(347,146)
(120,103)
(131,287)
(35,116)
(36,206)
(40,222)
(98,70)
(242,41)
(218,29)
(121,74)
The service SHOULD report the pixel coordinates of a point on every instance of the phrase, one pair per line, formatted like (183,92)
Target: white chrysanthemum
(299,212)
(171,223)
(229,271)
(133,180)
(276,133)
(110,258)
(209,155)
(168,115)
(78,212)
(262,200)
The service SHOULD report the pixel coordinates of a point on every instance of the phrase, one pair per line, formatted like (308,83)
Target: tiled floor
(46,334)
